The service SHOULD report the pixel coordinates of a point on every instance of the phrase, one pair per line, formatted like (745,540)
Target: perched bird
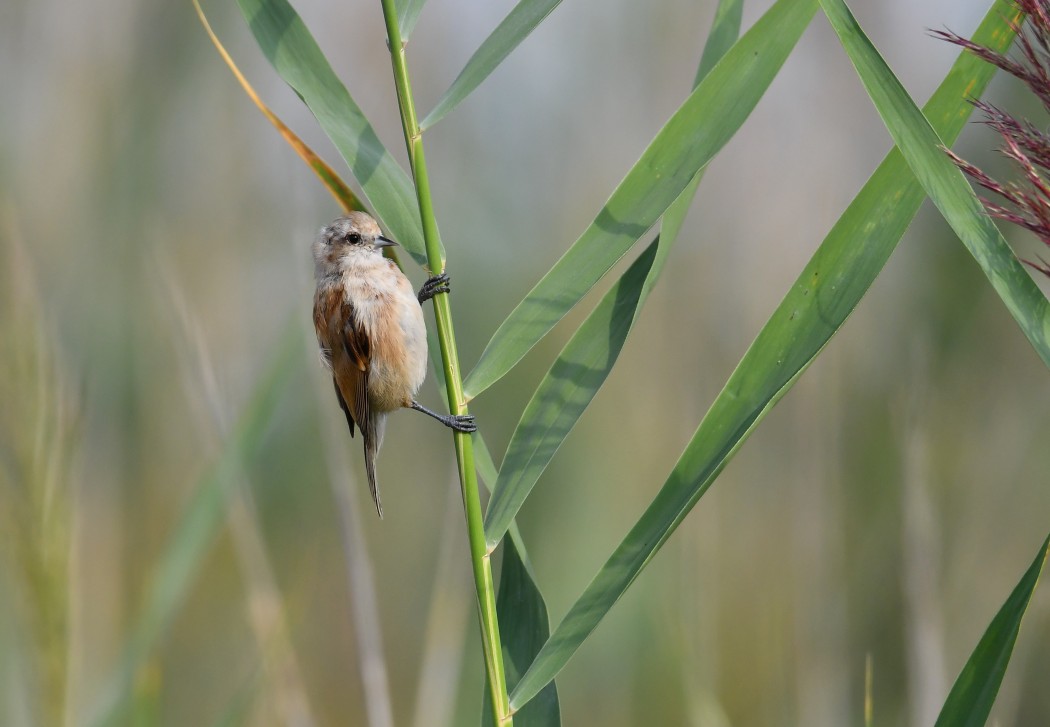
(369,324)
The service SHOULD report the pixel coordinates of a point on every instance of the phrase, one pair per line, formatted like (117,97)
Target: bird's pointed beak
(384,242)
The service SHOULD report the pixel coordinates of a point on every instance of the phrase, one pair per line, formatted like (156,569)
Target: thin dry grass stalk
(39,421)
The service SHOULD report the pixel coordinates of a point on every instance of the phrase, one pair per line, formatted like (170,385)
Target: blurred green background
(155,244)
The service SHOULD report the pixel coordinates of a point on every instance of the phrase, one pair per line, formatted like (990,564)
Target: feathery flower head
(1026,200)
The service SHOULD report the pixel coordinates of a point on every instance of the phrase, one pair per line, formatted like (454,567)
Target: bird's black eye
(353,237)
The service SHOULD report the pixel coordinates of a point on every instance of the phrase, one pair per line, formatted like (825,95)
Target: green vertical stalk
(479,554)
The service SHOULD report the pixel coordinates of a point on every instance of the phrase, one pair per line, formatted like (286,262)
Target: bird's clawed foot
(461,423)
(434,285)
(458,422)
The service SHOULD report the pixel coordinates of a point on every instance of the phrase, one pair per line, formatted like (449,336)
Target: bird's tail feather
(373,437)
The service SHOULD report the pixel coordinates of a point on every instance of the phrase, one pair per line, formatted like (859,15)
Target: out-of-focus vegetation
(156,242)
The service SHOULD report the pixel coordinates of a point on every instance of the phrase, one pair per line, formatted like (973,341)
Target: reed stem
(479,554)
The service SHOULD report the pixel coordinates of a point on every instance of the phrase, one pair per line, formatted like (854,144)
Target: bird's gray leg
(458,422)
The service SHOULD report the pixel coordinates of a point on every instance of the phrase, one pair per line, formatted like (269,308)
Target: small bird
(369,325)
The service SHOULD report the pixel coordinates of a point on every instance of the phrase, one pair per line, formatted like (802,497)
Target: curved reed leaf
(971,698)
(294,54)
(584,364)
(507,36)
(826,292)
(564,393)
(695,133)
(522,610)
(332,181)
(524,628)
(944,182)
(524,623)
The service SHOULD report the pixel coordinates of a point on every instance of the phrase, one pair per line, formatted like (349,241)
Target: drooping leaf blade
(826,292)
(973,694)
(524,627)
(695,133)
(507,36)
(196,530)
(944,182)
(332,181)
(295,55)
(522,612)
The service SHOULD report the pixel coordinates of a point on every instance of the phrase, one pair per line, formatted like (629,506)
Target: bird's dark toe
(464,423)
(434,285)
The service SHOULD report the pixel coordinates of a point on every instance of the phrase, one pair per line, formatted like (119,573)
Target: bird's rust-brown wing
(345,346)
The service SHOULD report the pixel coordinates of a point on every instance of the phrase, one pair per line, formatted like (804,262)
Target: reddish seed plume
(1028,198)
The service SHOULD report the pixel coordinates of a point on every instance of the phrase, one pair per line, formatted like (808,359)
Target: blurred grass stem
(285,693)
(479,553)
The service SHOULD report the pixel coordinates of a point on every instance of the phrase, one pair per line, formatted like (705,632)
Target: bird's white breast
(387,309)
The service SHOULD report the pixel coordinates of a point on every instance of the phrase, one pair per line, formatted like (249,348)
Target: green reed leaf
(332,181)
(295,55)
(524,623)
(827,291)
(971,698)
(507,36)
(944,182)
(586,361)
(524,627)
(564,393)
(695,133)
(407,14)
